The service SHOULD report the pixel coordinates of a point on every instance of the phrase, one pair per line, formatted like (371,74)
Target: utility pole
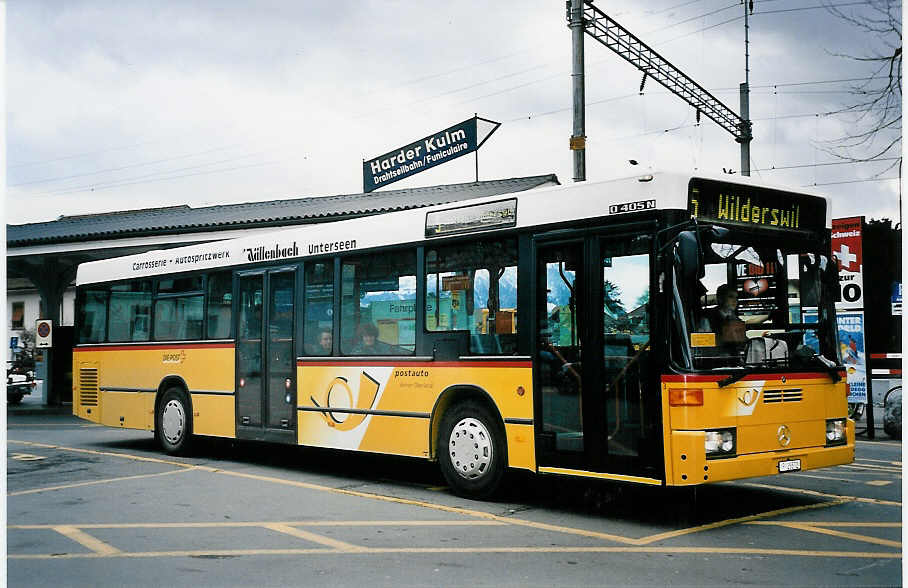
(745,135)
(578,137)
(604,29)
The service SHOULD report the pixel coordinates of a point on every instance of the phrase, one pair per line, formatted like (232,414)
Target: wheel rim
(173,421)
(470,449)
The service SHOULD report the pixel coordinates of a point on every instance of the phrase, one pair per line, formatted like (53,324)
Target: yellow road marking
(886,461)
(26,457)
(86,540)
(321,539)
(94,482)
(878,482)
(873,468)
(106,453)
(879,524)
(220,524)
(443,508)
(832,532)
(736,521)
(832,478)
(485,515)
(841,497)
(745,551)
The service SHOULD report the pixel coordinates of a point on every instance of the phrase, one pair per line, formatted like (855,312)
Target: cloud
(125,105)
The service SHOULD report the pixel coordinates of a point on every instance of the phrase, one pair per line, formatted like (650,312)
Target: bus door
(265,355)
(592,359)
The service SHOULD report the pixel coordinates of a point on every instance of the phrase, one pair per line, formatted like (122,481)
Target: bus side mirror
(689,254)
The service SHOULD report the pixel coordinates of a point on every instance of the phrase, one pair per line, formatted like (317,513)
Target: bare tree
(876,129)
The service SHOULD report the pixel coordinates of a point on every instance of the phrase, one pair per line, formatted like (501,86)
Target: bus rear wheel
(471,450)
(173,422)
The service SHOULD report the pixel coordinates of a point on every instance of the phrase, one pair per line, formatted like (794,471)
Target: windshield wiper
(742,371)
(831,367)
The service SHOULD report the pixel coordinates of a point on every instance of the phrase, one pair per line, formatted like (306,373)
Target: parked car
(18,385)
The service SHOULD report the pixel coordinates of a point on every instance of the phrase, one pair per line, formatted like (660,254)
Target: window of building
(18,315)
(473,287)
(130,311)
(379,304)
(319,312)
(220,305)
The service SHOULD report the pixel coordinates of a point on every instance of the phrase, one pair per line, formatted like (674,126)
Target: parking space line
(315,538)
(832,532)
(237,524)
(841,497)
(86,540)
(885,461)
(712,551)
(872,467)
(105,453)
(831,478)
(735,521)
(831,500)
(94,482)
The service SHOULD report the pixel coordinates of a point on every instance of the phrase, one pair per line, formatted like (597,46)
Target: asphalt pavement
(98,506)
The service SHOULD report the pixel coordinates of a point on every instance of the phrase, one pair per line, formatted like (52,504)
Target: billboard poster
(851,347)
(426,153)
(854,357)
(847,247)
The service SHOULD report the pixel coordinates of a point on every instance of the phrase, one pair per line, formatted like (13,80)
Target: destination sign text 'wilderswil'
(709,200)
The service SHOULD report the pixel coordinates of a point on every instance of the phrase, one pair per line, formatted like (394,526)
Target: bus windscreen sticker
(479,217)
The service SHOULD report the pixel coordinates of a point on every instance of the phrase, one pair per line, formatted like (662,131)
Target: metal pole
(746,136)
(578,138)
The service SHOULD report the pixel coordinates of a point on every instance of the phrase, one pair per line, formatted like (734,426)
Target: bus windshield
(753,303)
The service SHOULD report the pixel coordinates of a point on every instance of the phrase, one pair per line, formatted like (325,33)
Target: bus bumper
(690,467)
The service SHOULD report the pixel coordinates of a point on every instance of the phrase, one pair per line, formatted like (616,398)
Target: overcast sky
(116,105)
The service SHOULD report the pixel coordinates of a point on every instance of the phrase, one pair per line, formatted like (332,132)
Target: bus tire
(471,450)
(173,422)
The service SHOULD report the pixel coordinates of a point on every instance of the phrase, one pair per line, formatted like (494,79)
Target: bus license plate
(790,465)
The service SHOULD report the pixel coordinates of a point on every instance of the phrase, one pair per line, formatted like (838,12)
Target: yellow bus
(664,329)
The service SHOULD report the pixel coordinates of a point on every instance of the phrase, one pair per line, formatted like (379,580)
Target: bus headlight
(720,443)
(835,432)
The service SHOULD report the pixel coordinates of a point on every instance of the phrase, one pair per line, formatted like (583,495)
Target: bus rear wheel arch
(173,420)
(471,449)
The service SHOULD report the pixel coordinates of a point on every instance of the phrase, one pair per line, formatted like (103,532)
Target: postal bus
(588,330)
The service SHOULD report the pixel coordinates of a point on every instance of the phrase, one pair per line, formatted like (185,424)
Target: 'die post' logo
(174,357)
(339,396)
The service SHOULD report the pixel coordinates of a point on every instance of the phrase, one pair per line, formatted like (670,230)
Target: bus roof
(651,191)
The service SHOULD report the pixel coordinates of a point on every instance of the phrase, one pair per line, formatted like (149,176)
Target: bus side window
(92,310)
(178,309)
(220,304)
(473,287)
(319,312)
(378,298)
(130,311)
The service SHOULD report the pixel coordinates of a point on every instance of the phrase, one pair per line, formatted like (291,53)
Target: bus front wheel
(173,422)
(471,450)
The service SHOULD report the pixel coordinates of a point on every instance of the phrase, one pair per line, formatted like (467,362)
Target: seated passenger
(367,334)
(322,346)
